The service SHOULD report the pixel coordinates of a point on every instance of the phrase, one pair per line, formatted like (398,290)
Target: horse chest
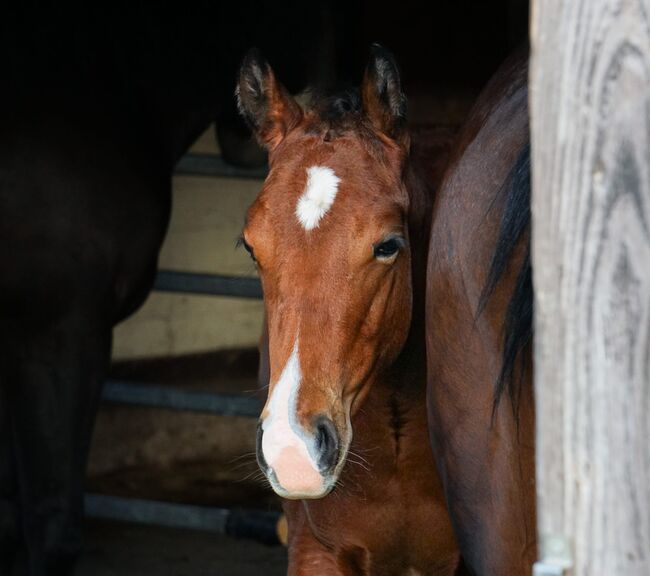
(391,508)
(385,538)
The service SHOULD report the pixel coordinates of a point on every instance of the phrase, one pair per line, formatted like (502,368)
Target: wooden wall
(207,219)
(590,107)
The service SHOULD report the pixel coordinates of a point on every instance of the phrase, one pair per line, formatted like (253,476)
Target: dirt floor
(129,550)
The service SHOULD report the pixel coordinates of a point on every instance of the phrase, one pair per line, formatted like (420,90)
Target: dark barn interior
(112,96)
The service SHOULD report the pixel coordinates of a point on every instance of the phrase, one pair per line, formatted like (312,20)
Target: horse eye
(387,248)
(248,248)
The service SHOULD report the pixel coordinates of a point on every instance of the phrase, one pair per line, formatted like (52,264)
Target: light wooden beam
(590,113)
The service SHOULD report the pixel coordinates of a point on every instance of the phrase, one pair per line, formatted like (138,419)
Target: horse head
(329,236)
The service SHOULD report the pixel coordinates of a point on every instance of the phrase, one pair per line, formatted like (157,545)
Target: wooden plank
(156,513)
(261,525)
(590,112)
(153,396)
(208,284)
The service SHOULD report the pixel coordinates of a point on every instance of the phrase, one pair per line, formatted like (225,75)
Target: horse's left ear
(383,100)
(268,108)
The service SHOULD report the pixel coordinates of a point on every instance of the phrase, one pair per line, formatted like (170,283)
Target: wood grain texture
(590,113)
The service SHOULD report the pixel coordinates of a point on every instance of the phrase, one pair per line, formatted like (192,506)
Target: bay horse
(339,235)
(479,307)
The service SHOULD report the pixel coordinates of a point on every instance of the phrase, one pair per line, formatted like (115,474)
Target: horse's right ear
(266,105)
(384,101)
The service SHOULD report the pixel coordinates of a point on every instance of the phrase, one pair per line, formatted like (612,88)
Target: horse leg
(56,378)
(9,538)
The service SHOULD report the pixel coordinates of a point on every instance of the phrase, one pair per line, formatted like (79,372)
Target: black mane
(335,113)
(518,328)
(338,107)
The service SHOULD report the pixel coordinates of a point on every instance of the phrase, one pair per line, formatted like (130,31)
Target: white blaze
(281,430)
(318,197)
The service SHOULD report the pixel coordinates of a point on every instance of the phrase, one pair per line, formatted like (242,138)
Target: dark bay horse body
(479,328)
(339,233)
(79,254)
(85,197)
(97,105)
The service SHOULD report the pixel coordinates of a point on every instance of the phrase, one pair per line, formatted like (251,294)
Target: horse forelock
(341,115)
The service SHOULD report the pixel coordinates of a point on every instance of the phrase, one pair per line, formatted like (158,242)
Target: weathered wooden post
(590,106)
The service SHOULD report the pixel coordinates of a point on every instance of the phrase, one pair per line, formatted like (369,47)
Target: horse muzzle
(299,464)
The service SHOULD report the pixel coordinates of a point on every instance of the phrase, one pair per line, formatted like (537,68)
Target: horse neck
(174,113)
(184,126)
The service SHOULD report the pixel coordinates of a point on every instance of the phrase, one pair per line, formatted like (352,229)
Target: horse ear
(268,108)
(383,100)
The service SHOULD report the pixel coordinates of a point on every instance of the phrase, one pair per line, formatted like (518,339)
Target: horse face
(328,233)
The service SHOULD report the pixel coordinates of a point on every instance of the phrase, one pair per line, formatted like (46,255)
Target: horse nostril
(327,444)
(261,461)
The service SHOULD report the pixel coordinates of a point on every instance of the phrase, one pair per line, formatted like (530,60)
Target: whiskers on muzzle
(297,463)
